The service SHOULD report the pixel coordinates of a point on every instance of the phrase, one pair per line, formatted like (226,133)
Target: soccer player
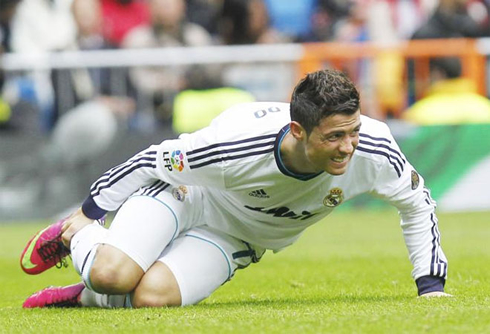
(193,210)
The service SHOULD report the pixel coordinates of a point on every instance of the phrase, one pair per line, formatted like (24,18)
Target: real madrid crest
(334,198)
(179,193)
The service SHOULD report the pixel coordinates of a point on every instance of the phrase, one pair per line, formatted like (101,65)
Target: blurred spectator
(81,85)
(293,18)
(89,23)
(75,86)
(41,26)
(450,20)
(248,22)
(382,21)
(120,16)
(402,17)
(205,13)
(327,13)
(168,28)
(7,11)
(379,78)
(203,98)
(451,99)
(479,11)
(354,26)
(87,127)
(90,86)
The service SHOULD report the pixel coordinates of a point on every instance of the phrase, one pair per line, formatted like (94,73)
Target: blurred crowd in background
(36,26)
(35,102)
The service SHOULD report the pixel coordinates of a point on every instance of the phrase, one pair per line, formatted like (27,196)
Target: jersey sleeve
(172,162)
(400,184)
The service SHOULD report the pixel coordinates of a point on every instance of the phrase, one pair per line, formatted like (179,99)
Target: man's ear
(298,132)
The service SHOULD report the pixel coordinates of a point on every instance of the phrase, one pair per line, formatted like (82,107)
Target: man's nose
(348,145)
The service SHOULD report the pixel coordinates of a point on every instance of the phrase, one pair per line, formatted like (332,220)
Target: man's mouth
(340,159)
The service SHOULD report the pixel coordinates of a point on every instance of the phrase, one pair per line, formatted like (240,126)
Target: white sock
(83,247)
(90,298)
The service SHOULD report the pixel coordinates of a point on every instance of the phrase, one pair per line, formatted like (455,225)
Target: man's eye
(334,137)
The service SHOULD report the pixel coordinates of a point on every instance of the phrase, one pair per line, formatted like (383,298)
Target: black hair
(449,66)
(235,23)
(322,94)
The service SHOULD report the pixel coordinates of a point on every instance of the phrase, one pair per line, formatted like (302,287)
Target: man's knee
(163,299)
(113,272)
(157,288)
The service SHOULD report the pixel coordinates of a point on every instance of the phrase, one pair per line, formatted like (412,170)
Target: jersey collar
(280,164)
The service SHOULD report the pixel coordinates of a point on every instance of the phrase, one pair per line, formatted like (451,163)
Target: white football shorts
(163,223)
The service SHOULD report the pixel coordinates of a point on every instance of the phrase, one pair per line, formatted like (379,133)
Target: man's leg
(142,228)
(192,267)
(113,261)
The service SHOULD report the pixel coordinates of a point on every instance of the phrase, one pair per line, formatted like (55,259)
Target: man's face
(332,143)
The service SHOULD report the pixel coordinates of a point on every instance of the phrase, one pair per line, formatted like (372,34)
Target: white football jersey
(247,192)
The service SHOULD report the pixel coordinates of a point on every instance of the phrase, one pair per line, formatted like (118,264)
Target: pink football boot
(63,296)
(44,250)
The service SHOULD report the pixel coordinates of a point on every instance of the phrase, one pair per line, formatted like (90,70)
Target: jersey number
(261,113)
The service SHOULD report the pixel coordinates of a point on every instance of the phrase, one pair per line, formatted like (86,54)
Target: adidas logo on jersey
(259,193)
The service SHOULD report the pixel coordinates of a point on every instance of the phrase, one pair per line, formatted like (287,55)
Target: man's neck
(293,155)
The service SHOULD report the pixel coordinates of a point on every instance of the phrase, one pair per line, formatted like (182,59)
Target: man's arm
(170,162)
(112,189)
(404,188)
(118,183)
(167,163)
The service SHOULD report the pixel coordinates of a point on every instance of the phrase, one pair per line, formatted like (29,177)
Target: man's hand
(435,294)
(72,225)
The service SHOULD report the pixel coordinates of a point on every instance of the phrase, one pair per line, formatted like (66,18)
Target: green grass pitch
(348,274)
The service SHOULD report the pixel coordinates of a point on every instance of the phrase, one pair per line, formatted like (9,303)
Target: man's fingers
(67,235)
(72,225)
(73,228)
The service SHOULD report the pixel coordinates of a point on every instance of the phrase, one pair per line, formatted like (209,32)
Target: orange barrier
(347,56)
